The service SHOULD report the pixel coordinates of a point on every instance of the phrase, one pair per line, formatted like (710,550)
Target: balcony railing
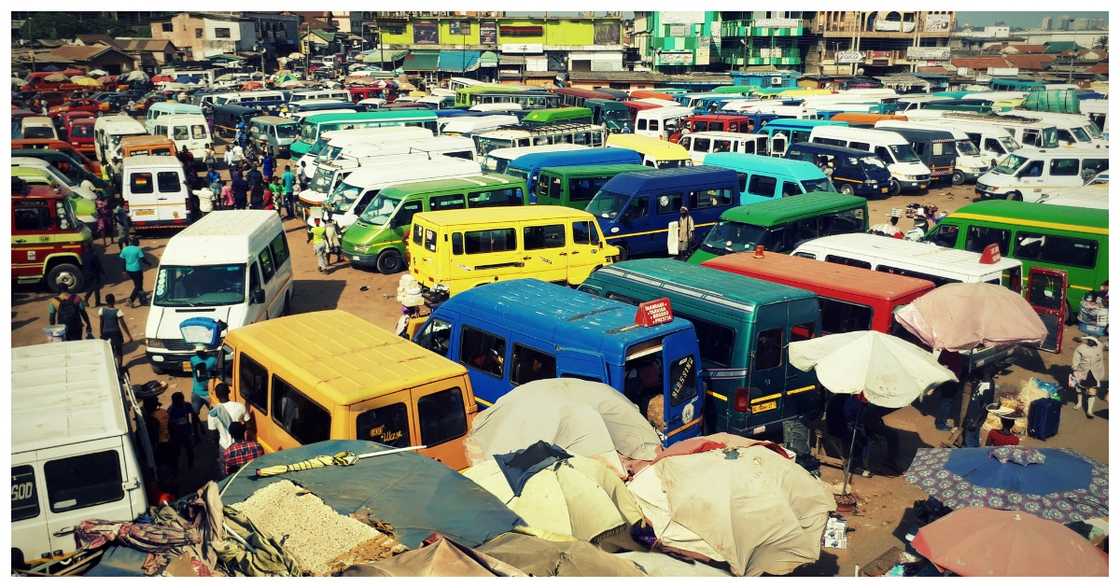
(771,27)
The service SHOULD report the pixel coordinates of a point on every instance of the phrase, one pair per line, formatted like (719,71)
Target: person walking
(124,226)
(685,231)
(240,190)
(289,182)
(181,431)
(68,310)
(318,238)
(208,158)
(134,262)
(227,197)
(227,158)
(112,327)
(222,417)
(159,431)
(1089,373)
(240,452)
(95,274)
(202,369)
(330,233)
(983,394)
(104,213)
(268,164)
(277,194)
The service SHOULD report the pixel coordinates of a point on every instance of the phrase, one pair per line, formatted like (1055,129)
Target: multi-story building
(1047,23)
(762,38)
(277,32)
(207,34)
(676,41)
(879,43)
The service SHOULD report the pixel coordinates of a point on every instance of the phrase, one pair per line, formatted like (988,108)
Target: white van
(186,130)
(471,125)
(498,160)
(37,127)
(1029,131)
(107,134)
(74,455)
(918,102)
(356,191)
(334,142)
(970,163)
(907,170)
(940,265)
(660,122)
(231,265)
(154,188)
(993,142)
(1087,196)
(700,144)
(340,94)
(1028,173)
(1073,130)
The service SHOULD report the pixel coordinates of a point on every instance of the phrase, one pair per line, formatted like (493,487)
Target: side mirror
(257,296)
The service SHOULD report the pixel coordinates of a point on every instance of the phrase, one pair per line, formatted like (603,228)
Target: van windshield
(1080,134)
(732,237)
(309,132)
(316,147)
(380,210)
(607,204)
(201,285)
(343,196)
(818,185)
(324,177)
(1093,131)
(1010,144)
(966,147)
(1010,164)
(287,130)
(903,153)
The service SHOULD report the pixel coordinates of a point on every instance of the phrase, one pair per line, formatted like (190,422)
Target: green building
(762,38)
(676,41)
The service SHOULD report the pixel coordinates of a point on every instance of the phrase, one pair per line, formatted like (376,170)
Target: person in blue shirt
(240,189)
(268,164)
(202,369)
(134,262)
(289,182)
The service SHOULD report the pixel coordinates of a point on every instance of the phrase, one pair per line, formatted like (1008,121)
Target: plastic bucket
(55,333)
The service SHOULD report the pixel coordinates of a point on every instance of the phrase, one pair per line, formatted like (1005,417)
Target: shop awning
(421,61)
(458,61)
(488,59)
(512,60)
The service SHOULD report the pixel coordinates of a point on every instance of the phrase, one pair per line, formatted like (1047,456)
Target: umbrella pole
(848,463)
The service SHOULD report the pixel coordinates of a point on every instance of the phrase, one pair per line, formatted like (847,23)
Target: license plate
(144,211)
(355,258)
(186,366)
(883,190)
(764,406)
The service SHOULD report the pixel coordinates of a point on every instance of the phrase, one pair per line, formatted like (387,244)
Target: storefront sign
(849,57)
(929,53)
(425,32)
(770,52)
(522,31)
(488,33)
(937,23)
(674,58)
(775,23)
(654,312)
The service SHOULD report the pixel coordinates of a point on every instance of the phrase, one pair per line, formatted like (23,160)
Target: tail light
(742,400)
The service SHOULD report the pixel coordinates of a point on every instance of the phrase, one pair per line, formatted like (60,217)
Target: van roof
(651,146)
(818,275)
(377,171)
(152,161)
(181,117)
(1043,153)
(138,140)
(671,275)
(65,393)
(41,121)
(469,182)
(345,358)
(177,107)
(933,258)
(838,150)
(1032,214)
(750,162)
(866,135)
(594,169)
(120,124)
(669,178)
(725,135)
(576,157)
(512,153)
(222,236)
(551,312)
(271,120)
(921,134)
(801,123)
(499,214)
(775,212)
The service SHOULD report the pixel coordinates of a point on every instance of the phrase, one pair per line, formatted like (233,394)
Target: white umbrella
(97,73)
(295,55)
(136,76)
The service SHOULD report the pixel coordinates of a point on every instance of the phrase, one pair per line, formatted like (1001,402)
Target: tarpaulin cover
(541,557)
(119,561)
(519,466)
(458,61)
(417,495)
(421,61)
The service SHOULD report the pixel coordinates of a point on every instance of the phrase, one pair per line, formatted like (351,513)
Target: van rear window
(83,480)
(1055,249)
(140,183)
(442,417)
(385,424)
(843,317)
(168,182)
(298,415)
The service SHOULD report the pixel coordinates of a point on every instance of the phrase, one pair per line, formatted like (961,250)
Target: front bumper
(361,260)
(169,361)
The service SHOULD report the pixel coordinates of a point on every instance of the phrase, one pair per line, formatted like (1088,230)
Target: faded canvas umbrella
(56,77)
(136,76)
(96,73)
(977,541)
(962,317)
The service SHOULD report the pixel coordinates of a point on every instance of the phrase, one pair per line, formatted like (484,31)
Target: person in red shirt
(241,451)
(1004,436)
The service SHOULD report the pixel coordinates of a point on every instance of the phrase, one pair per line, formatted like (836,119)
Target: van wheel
(390,261)
(958,178)
(895,187)
(65,276)
(847,189)
(1015,196)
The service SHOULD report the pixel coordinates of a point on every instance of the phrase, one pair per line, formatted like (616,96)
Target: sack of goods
(408,292)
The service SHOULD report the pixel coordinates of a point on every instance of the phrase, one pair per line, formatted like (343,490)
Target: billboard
(425,32)
(488,33)
(674,58)
(928,53)
(849,57)
(937,23)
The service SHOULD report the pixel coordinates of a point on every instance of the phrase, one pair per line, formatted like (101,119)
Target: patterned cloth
(239,454)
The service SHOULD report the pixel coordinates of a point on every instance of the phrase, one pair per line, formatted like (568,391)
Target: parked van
(75,448)
(561,115)
(471,125)
(41,179)
(312,127)
(993,142)
(850,298)
(68,166)
(38,127)
(186,130)
(612,114)
(135,145)
(635,209)
(700,144)
(940,265)
(575,185)
(155,191)
(107,134)
(161,109)
(703,123)
(850,171)
(518,331)
(339,94)
(528,166)
(74,182)
(1063,238)
(865,120)
(333,144)
(286,372)
(527,136)
(655,152)
(762,179)
(1072,130)
(274,132)
(969,164)
(231,265)
(935,148)
(48,241)
(785,131)
(782,225)
(376,239)
(907,170)
(1029,131)
(743,327)
(498,160)
(660,123)
(1028,173)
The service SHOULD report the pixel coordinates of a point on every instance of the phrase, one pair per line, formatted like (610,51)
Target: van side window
(1054,249)
(717,342)
(884,154)
(418,234)
(298,415)
(584,189)
(946,235)
(490,241)
(686,142)
(847,261)
(543,180)
(858,146)
(385,424)
(1092,167)
(442,417)
(654,124)
(446,202)
(991,145)
(768,350)
(435,336)
(140,183)
(31,218)
(267,268)
(498,197)
(457,243)
(556,188)
(669,204)
(641,124)
(180,133)
(528,365)
(430,238)
(583,232)
(83,480)
(761,185)
(938,280)
(544,237)
(253,383)
(978,237)
(254,278)
(827,141)
(482,351)
(791,189)
(1064,167)
(843,317)
(712,197)
(25,493)
(404,215)
(168,182)
(702,144)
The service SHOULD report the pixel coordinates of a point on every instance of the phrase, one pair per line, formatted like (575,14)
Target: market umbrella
(136,76)
(1055,484)
(977,541)
(745,503)
(295,55)
(84,81)
(887,370)
(97,73)
(554,556)
(56,77)
(962,317)
(584,418)
(160,79)
(558,492)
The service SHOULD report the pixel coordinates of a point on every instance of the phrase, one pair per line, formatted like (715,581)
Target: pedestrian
(240,190)
(187,158)
(208,157)
(227,197)
(289,182)
(330,232)
(256,187)
(226,413)
(112,325)
(181,431)
(94,273)
(227,158)
(104,213)
(213,179)
(1003,436)
(268,164)
(202,369)
(277,191)
(948,391)
(1089,373)
(318,238)
(878,433)
(240,452)
(159,431)
(238,154)
(68,310)
(134,262)
(266,197)
(124,226)
(890,228)
(685,231)
(983,392)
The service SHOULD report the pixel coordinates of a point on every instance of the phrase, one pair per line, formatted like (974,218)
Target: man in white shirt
(221,416)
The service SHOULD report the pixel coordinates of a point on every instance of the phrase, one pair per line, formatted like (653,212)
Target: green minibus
(575,185)
(552,116)
(313,127)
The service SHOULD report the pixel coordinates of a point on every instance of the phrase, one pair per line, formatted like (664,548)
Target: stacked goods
(1019,402)
(317,538)
(1065,101)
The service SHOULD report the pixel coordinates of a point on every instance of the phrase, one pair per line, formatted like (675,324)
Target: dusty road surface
(885,500)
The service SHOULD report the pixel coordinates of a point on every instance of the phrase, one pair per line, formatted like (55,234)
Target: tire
(1015,196)
(958,178)
(896,188)
(65,275)
(390,261)
(157,370)
(847,189)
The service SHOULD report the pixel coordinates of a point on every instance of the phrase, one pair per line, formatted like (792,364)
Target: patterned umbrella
(1055,484)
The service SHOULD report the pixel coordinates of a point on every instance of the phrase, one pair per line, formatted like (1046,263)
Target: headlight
(362,248)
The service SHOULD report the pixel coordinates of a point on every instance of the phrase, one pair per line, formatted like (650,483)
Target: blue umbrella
(1056,484)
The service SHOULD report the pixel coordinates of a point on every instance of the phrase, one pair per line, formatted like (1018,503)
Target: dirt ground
(884,500)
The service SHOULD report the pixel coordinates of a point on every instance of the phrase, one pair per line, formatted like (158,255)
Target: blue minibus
(762,179)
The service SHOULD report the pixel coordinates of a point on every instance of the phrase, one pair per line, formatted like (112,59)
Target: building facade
(676,41)
(207,34)
(763,38)
(879,43)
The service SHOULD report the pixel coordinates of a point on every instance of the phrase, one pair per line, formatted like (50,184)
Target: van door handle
(131,484)
(562,254)
(526,258)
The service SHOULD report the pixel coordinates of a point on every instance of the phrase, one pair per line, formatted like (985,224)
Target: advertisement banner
(488,33)
(460,27)
(425,32)
(929,53)
(775,23)
(681,17)
(849,57)
(674,58)
(937,23)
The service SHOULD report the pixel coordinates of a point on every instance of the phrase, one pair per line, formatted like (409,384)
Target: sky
(1019,19)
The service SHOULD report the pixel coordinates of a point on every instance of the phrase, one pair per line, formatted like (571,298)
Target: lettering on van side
(686,363)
